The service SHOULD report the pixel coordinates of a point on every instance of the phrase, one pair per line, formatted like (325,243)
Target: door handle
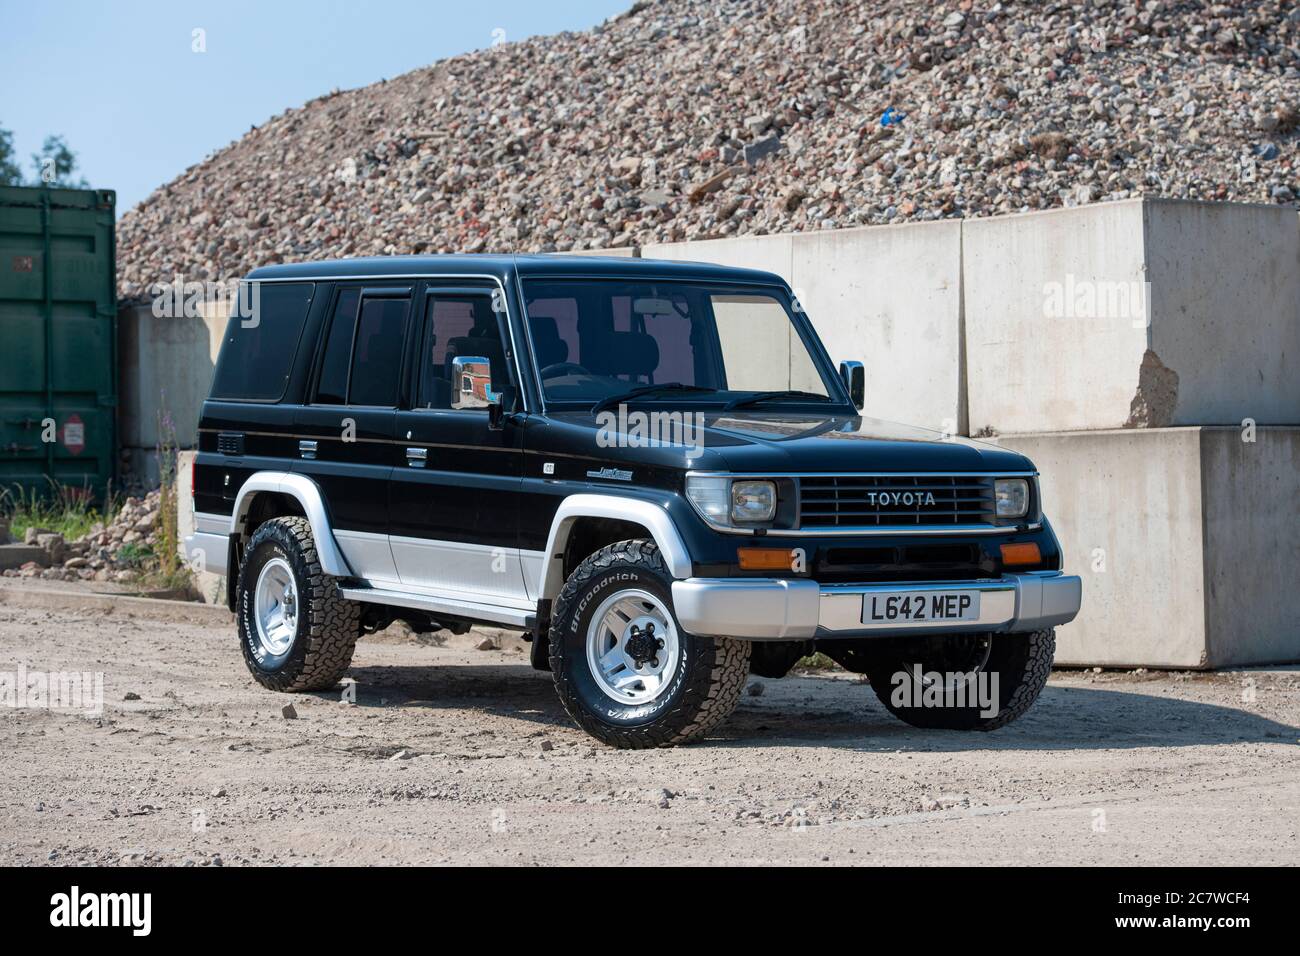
(307,449)
(416,457)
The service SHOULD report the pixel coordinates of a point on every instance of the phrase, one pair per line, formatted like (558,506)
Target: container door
(58,383)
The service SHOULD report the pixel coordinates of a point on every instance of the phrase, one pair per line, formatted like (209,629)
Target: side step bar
(474,610)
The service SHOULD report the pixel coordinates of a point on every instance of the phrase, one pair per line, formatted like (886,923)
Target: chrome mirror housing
(855,380)
(472,382)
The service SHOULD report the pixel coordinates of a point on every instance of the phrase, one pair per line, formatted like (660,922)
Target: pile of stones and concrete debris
(688,119)
(113,552)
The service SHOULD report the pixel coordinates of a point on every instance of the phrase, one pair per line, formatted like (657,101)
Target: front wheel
(623,667)
(962,681)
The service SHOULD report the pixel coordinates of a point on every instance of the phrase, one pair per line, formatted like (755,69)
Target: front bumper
(783,609)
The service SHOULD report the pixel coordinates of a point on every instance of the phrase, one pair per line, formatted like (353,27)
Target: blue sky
(120,81)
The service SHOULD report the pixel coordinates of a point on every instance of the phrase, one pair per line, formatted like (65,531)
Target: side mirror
(855,380)
(471,377)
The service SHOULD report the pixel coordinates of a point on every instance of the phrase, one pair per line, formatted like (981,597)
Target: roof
(505,266)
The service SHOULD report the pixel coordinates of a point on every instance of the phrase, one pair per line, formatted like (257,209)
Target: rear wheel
(295,631)
(962,681)
(623,667)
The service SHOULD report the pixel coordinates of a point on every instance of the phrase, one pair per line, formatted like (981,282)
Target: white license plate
(910,607)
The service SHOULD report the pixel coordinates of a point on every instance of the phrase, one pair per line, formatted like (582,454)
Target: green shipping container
(58,342)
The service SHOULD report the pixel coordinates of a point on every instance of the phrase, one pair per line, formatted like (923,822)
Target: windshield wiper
(771,397)
(627,396)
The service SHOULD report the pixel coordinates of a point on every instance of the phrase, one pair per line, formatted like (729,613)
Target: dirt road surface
(451,754)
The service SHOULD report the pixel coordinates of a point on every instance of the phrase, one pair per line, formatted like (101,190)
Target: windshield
(597,339)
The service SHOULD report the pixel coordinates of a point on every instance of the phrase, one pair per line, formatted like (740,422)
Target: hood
(747,440)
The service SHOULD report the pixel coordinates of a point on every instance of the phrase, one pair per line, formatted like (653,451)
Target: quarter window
(259,348)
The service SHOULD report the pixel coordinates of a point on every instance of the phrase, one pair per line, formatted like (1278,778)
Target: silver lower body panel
(208,548)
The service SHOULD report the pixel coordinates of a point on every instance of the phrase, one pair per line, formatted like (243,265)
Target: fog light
(1021,554)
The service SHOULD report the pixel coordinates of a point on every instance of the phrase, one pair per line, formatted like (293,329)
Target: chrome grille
(869,501)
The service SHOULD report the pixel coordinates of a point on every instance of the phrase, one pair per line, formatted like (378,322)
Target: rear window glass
(259,347)
(332,389)
(377,355)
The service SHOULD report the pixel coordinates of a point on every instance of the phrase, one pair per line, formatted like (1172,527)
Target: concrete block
(887,296)
(166,365)
(1045,351)
(1144,313)
(890,297)
(1187,540)
(16,555)
(211,586)
(623,252)
(769,253)
(1225,309)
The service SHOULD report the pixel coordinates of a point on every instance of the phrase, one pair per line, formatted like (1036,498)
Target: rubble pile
(687,119)
(112,552)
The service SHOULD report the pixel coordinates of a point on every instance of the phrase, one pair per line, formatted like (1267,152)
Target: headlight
(732,502)
(1012,496)
(753,501)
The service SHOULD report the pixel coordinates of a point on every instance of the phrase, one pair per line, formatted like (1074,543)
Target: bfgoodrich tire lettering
(1022,663)
(705,682)
(327,625)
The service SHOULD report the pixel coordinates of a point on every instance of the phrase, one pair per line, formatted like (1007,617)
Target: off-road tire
(705,687)
(328,625)
(1023,662)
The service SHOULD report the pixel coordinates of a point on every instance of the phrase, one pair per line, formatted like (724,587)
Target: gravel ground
(452,754)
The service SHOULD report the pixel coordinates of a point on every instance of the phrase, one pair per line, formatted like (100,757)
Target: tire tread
(334,623)
(703,705)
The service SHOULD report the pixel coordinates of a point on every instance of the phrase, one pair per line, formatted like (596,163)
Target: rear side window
(333,383)
(363,350)
(259,347)
(377,355)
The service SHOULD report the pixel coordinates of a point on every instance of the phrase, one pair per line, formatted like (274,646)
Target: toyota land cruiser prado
(652,469)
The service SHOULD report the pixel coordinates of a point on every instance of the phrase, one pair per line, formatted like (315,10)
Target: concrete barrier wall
(1133,314)
(1028,367)
(1225,309)
(889,297)
(1075,335)
(1252,544)
(166,364)
(769,253)
(1186,540)
(623,252)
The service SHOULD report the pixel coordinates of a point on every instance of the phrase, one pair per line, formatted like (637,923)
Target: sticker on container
(74,434)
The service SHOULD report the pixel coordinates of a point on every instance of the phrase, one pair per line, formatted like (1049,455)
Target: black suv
(650,468)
